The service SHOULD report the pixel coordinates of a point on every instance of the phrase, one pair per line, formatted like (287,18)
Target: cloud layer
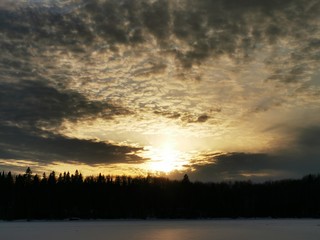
(241,77)
(30,114)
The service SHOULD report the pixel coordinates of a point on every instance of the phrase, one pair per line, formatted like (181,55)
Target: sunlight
(165,159)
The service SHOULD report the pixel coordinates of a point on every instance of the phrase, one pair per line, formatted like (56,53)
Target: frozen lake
(161,229)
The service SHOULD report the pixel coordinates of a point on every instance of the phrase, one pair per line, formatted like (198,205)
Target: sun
(164,159)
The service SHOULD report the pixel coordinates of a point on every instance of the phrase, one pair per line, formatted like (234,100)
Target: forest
(72,196)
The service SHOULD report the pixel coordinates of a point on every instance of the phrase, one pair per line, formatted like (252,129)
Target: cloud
(235,165)
(184,116)
(309,137)
(46,147)
(173,115)
(257,167)
(37,103)
(28,107)
(203,118)
(222,71)
(267,104)
(156,18)
(205,28)
(297,158)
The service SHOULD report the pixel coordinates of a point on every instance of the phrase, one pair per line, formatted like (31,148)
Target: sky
(216,89)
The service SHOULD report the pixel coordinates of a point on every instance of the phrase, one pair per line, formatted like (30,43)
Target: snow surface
(166,230)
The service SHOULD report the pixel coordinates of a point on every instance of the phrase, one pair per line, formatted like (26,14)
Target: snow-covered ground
(166,230)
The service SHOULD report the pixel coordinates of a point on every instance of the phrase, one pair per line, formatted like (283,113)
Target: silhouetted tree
(52,178)
(44,179)
(28,176)
(27,196)
(185,179)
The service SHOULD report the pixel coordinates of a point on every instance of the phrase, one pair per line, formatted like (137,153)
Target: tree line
(72,196)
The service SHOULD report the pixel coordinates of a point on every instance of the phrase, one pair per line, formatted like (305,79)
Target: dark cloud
(309,137)
(27,106)
(237,27)
(203,118)
(168,114)
(293,160)
(46,147)
(238,163)
(208,27)
(185,117)
(236,166)
(254,166)
(156,18)
(36,103)
(298,140)
(191,118)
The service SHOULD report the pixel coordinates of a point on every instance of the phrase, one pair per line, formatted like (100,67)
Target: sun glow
(165,159)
